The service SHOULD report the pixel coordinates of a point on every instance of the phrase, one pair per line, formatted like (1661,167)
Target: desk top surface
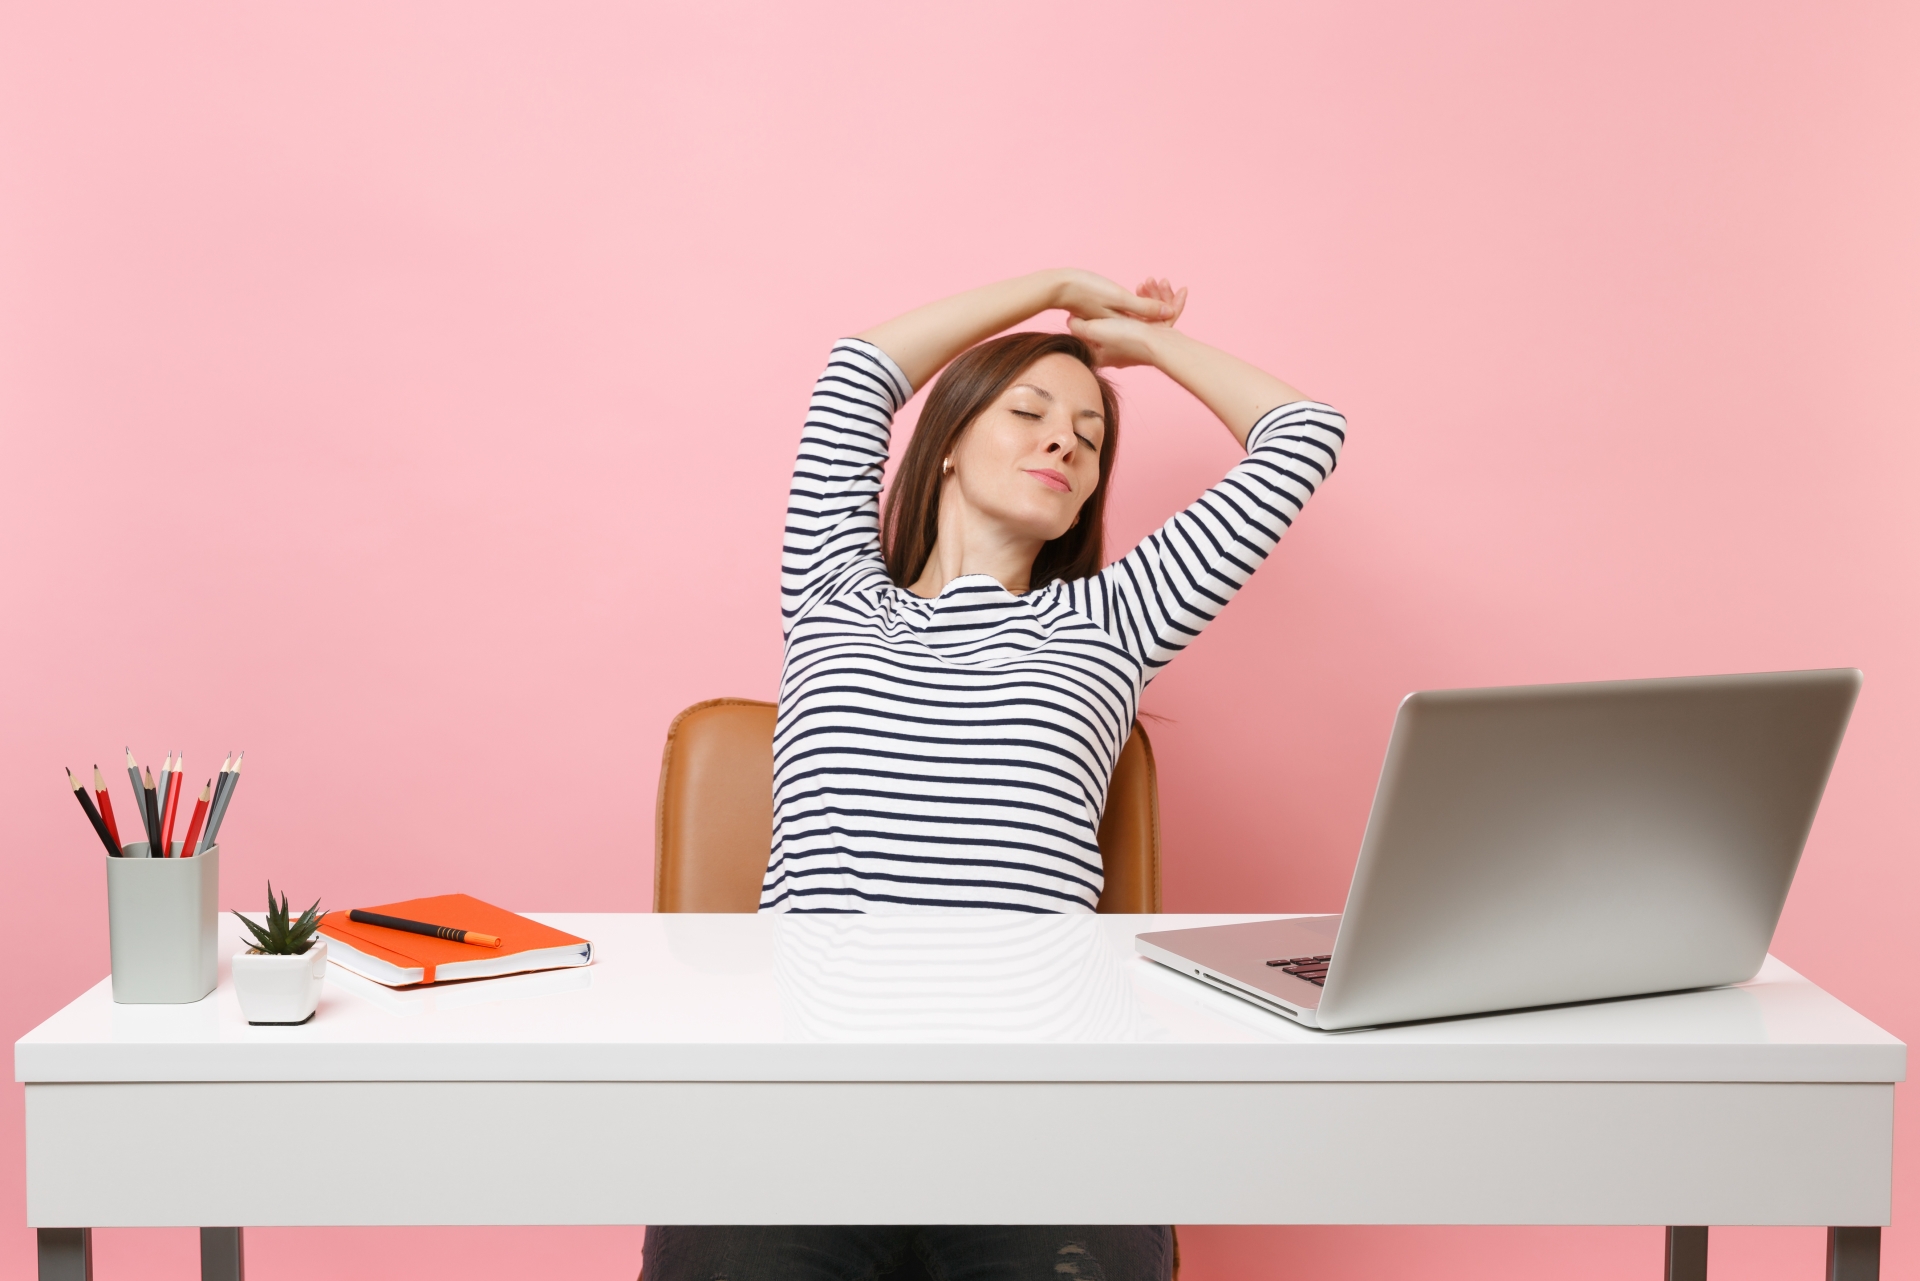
(953,998)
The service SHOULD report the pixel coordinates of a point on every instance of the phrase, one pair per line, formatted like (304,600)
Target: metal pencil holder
(162,917)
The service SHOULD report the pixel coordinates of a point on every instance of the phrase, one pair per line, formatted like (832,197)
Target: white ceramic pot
(280,989)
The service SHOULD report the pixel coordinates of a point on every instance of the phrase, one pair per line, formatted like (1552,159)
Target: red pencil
(173,808)
(106,806)
(199,817)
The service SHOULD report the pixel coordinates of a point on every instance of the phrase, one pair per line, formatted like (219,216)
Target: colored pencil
(139,807)
(219,816)
(93,815)
(166,786)
(447,932)
(167,811)
(199,818)
(220,790)
(151,799)
(106,808)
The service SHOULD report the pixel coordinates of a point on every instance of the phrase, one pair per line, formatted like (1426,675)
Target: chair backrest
(713,823)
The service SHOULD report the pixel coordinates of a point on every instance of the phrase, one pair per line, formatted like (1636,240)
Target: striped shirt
(954,753)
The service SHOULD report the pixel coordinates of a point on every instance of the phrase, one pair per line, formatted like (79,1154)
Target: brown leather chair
(713,823)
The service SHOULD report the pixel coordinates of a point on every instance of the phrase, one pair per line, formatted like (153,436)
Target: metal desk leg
(222,1255)
(1853,1254)
(1686,1254)
(66,1254)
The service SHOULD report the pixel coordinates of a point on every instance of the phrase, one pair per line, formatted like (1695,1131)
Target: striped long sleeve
(833,509)
(1156,599)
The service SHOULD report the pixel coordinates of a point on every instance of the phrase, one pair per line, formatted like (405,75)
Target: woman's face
(1032,457)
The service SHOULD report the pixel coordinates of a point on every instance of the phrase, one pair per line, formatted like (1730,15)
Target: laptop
(1542,844)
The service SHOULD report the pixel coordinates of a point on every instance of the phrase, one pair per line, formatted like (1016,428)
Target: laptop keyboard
(1311,968)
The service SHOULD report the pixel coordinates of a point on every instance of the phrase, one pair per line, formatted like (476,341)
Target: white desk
(1002,1070)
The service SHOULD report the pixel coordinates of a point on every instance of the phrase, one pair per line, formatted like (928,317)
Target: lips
(1050,478)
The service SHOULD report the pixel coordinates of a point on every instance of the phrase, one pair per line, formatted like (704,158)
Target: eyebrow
(1044,394)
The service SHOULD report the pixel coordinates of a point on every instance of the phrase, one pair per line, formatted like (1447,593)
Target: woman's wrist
(1238,393)
(1165,345)
(1050,288)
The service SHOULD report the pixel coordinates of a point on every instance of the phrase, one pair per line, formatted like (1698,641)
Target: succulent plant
(282,937)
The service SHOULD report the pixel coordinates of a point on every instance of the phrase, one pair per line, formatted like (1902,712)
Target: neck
(965,547)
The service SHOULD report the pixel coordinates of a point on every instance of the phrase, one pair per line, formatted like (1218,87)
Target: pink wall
(406,393)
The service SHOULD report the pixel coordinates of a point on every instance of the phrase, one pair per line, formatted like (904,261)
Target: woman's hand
(1122,328)
(1119,340)
(1083,295)
(1238,393)
(926,338)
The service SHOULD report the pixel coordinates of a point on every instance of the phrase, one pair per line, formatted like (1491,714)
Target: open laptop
(1539,844)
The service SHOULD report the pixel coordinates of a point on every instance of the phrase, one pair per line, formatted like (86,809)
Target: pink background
(406,393)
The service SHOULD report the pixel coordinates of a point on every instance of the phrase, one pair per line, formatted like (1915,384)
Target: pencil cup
(162,919)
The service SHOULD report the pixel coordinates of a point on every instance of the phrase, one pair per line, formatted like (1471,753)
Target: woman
(960,677)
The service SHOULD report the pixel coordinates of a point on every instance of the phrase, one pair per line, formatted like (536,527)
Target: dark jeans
(942,1254)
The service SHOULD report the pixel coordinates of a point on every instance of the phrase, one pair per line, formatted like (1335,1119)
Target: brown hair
(962,393)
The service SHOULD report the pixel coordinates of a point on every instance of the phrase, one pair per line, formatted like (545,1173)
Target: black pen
(447,932)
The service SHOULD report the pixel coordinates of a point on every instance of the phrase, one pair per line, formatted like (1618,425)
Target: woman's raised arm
(923,340)
(1163,593)
(1239,394)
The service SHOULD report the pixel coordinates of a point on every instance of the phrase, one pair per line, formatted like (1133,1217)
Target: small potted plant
(278,978)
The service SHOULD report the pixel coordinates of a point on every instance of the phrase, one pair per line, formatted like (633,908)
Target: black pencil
(139,806)
(150,800)
(93,815)
(222,797)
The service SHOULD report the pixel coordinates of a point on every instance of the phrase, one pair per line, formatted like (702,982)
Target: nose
(1062,444)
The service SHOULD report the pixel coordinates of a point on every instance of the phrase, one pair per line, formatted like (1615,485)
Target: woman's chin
(1048,531)
(1035,526)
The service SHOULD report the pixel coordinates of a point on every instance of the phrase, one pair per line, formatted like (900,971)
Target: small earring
(946,467)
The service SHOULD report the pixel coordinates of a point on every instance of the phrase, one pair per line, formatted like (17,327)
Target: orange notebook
(397,958)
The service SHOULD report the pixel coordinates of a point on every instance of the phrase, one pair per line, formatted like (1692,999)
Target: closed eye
(1021,413)
(1089,444)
